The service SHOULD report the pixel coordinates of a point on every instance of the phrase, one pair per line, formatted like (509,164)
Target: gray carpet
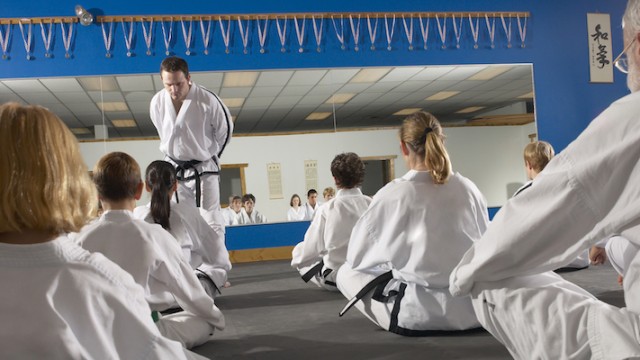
(272,314)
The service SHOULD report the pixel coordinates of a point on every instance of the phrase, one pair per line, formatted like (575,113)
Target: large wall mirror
(290,116)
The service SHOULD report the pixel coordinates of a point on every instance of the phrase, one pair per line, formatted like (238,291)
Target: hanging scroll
(600,56)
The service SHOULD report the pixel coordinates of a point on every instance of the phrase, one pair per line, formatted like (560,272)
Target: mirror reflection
(304,117)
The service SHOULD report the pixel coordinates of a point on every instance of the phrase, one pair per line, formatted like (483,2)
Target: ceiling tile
(135,83)
(306,77)
(62,85)
(28,85)
(274,78)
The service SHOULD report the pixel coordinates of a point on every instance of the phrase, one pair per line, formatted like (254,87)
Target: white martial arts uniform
(199,131)
(229,216)
(310,211)
(245,219)
(207,251)
(620,253)
(418,230)
(152,256)
(582,260)
(296,214)
(587,192)
(61,302)
(328,237)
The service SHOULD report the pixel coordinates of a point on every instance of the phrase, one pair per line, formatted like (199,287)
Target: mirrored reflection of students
(149,253)
(248,214)
(324,249)
(59,301)
(296,211)
(203,248)
(413,234)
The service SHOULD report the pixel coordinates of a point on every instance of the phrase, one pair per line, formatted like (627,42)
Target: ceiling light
(407,111)
(319,115)
(369,75)
(233,102)
(80,131)
(528,95)
(124,123)
(84,17)
(470,109)
(102,83)
(442,95)
(340,98)
(113,106)
(490,72)
(240,79)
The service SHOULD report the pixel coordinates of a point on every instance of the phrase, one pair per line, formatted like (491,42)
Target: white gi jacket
(200,131)
(587,192)
(61,302)
(419,230)
(310,211)
(229,216)
(152,256)
(328,235)
(296,215)
(192,231)
(244,218)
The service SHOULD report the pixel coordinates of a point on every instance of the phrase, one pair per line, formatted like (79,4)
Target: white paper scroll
(311,174)
(600,51)
(274,174)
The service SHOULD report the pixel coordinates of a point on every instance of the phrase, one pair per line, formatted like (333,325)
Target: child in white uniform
(324,249)
(149,253)
(59,301)
(410,238)
(203,248)
(249,214)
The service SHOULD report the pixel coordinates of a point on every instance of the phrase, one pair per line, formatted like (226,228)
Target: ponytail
(422,132)
(161,177)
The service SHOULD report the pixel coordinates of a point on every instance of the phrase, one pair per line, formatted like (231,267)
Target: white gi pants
(409,309)
(186,328)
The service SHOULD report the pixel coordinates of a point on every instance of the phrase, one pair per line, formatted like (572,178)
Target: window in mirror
(232,182)
(378,172)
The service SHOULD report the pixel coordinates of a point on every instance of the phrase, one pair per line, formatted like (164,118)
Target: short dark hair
(247,197)
(348,170)
(311,191)
(117,176)
(174,64)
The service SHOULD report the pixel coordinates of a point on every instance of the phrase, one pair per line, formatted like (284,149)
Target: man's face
(312,199)
(248,206)
(176,83)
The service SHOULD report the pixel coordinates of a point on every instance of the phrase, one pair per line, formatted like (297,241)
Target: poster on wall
(311,174)
(274,175)
(600,55)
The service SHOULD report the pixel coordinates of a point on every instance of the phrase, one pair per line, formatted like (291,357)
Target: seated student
(203,248)
(324,249)
(150,254)
(59,301)
(231,212)
(296,212)
(416,229)
(312,204)
(248,214)
(328,193)
(537,155)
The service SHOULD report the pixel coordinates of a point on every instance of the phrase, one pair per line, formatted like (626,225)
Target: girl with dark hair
(201,245)
(408,241)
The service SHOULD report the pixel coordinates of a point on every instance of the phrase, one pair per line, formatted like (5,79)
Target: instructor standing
(194,128)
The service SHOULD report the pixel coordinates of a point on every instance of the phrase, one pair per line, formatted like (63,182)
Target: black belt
(313,271)
(380,281)
(183,166)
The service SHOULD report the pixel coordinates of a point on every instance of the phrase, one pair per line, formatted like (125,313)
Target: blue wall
(556,45)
